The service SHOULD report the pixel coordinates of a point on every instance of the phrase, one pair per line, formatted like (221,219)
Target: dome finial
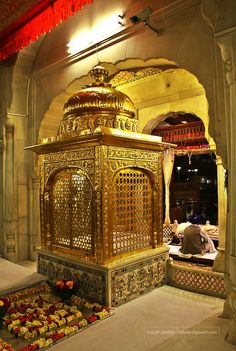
(99,74)
(97,105)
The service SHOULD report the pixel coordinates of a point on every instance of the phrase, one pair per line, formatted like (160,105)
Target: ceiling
(185,118)
(177,119)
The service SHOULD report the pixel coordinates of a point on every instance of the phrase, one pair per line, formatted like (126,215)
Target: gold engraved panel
(121,157)
(86,165)
(61,156)
(132,211)
(122,153)
(71,208)
(83,158)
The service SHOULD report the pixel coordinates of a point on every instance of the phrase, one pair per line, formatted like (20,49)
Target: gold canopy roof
(97,105)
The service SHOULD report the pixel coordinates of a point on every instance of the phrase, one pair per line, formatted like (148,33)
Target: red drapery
(190,136)
(41,18)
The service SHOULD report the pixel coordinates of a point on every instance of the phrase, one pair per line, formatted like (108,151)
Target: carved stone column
(10,200)
(34,218)
(219,262)
(227,43)
(220,15)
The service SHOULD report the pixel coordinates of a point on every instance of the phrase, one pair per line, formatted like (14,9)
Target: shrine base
(114,284)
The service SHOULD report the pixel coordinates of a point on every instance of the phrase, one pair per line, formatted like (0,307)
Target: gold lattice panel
(132,211)
(71,205)
(60,209)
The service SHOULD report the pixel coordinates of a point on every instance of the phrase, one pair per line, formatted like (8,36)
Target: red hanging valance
(185,136)
(39,19)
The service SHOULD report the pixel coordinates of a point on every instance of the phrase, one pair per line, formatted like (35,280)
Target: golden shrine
(101,198)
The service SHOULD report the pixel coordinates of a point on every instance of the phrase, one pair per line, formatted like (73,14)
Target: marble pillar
(34,218)
(221,17)
(227,43)
(219,263)
(10,196)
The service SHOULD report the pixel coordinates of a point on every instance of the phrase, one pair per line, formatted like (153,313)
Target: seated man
(194,241)
(180,228)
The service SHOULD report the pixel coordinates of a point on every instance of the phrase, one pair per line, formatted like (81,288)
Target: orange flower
(70,284)
(60,284)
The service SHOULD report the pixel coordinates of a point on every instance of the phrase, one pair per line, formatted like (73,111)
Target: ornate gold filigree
(85,153)
(124,77)
(97,105)
(106,191)
(104,167)
(71,201)
(115,152)
(98,237)
(86,165)
(101,192)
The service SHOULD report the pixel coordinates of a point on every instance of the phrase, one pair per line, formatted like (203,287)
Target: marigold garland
(5,346)
(28,292)
(39,315)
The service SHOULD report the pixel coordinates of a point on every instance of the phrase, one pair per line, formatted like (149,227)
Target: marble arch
(169,89)
(155,93)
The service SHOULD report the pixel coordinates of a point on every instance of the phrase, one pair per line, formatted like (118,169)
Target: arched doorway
(194,180)
(194,185)
(158,89)
(194,188)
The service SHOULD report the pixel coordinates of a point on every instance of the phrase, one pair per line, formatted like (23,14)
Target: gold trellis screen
(71,209)
(132,211)
(104,207)
(101,188)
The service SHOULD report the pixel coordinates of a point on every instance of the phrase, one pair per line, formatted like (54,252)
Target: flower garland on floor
(79,301)
(19,295)
(39,315)
(4,346)
(53,337)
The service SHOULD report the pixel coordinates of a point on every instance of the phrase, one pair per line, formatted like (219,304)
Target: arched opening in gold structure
(71,209)
(132,209)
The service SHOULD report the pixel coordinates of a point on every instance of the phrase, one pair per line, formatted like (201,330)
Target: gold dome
(97,105)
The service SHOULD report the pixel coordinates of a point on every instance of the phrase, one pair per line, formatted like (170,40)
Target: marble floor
(164,319)
(14,277)
(32,265)
(167,319)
